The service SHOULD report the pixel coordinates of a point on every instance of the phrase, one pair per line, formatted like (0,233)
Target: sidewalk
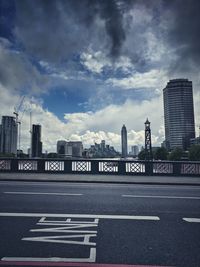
(133,179)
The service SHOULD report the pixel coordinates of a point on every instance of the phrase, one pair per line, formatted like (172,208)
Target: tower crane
(17,109)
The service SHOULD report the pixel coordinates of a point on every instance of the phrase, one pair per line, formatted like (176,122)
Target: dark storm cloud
(112,15)
(53,30)
(17,73)
(57,31)
(184,35)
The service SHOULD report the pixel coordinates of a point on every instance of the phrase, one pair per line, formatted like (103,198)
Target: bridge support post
(121,167)
(94,166)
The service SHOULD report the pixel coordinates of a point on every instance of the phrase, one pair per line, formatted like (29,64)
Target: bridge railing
(92,166)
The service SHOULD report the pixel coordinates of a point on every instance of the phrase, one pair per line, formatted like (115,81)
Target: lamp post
(148,147)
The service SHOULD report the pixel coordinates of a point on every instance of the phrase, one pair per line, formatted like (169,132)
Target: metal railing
(92,166)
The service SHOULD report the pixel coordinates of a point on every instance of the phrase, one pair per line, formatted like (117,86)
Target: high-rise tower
(36,144)
(178,113)
(8,135)
(124,141)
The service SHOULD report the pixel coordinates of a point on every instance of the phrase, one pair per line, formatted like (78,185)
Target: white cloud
(103,123)
(88,127)
(92,126)
(92,62)
(152,79)
(97,61)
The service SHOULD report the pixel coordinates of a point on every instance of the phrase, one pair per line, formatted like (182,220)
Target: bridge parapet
(92,166)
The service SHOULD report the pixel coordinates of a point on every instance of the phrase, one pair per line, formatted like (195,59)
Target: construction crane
(17,110)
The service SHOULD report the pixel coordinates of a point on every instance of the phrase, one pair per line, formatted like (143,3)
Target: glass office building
(178,113)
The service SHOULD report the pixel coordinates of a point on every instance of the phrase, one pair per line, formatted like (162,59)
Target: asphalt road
(69,224)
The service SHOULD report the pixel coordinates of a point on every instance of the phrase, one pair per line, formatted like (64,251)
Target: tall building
(61,147)
(77,148)
(69,149)
(178,113)
(36,144)
(8,135)
(124,141)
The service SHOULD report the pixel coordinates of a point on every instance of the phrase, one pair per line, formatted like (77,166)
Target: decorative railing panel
(162,167)
(5,165)
(27,165)
(54,166)
(81,166)
(135,167)
(108,166)
(118,167)
(190,168)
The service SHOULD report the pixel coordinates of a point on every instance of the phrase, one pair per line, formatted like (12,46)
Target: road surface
(85,224)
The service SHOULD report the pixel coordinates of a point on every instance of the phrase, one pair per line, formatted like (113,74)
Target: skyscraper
(36,144)
(178,113)
(124,141)
(8,143)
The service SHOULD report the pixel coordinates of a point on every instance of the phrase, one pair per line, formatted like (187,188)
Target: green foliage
(176,154)
(23,156)
(160,153)
(52,155)
(194,152)
(141,155)
(7,155)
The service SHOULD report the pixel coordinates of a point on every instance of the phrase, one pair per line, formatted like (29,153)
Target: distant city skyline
(88,67)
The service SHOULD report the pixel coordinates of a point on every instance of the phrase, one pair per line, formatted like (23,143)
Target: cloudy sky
(86,67)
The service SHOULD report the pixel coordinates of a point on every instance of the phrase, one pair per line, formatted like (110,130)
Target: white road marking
(92,258)
(42,193)
(45,221)
(192,220)
(97,216)
(68,228)
(170,197)
(62,239)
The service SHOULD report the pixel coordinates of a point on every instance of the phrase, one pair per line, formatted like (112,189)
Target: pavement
(120,179)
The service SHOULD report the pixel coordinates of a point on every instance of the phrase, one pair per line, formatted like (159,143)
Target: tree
(141,155)
(194,152)
(52,155)
(160,153)
(176,154)
(7,155)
